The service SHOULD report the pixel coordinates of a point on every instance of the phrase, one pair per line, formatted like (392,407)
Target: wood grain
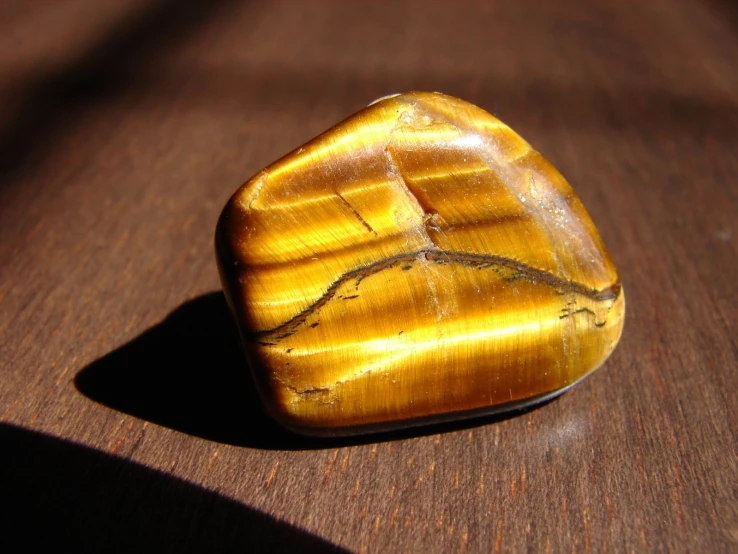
(124,128)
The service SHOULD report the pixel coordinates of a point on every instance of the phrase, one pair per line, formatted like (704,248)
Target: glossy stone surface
(417,262)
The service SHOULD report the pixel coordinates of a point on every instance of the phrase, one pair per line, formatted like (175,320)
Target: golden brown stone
(417,262)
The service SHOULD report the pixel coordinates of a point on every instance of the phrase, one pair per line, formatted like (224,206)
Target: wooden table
(128,419)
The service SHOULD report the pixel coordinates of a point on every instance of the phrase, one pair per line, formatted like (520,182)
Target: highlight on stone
(418,262)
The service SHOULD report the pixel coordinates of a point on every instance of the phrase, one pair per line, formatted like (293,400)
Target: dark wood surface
(128,421)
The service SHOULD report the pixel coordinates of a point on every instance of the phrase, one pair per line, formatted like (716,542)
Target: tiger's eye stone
(417,262)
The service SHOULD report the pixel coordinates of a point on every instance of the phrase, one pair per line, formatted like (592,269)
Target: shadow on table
(188,373)
(61,497)
(725,10)
(110,67)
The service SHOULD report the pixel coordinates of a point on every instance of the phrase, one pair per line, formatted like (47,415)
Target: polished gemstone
(417,262)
